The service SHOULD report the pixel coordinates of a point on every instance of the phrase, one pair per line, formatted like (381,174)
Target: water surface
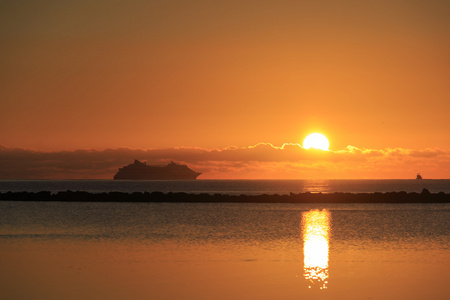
(231,187)
(223,251)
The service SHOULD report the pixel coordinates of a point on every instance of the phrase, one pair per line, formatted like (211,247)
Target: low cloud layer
(261,161)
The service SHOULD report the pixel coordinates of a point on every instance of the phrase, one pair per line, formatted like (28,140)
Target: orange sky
(218,74)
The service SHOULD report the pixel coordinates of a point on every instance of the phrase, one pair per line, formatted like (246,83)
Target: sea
(230,187)
(165,251)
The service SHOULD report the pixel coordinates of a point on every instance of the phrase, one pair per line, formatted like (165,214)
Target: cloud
(263,160)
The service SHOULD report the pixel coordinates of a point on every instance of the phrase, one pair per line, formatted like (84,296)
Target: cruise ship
(141,171)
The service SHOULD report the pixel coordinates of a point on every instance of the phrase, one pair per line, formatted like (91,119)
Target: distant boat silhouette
(140,171)
(419,176)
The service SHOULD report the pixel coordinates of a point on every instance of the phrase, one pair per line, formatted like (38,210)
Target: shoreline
(173,197)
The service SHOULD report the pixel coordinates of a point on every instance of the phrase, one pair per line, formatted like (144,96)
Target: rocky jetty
(69,196)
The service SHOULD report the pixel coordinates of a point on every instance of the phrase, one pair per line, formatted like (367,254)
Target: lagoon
(60,250)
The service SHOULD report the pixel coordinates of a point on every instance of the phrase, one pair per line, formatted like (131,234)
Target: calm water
(223,251)
(229,186)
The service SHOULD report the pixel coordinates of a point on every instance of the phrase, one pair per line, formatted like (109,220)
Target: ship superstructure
(141,171)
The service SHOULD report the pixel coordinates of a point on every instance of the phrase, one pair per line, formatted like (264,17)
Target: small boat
(419,176)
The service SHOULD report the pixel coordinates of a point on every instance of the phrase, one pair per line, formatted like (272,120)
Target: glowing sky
(218,75)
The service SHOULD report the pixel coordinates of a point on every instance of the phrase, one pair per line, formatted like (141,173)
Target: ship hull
(150,176)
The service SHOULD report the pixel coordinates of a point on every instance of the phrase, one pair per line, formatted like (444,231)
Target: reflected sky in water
(316,230)
(223,251)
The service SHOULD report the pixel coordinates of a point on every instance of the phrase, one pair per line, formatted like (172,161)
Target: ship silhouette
(141,171)
(419,176)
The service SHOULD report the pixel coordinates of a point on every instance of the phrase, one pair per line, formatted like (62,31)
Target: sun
(316,141)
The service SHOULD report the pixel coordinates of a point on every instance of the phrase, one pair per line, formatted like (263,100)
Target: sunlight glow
(316,228)
(316,141)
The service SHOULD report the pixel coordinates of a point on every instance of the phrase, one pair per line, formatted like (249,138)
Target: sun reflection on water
(316,228)
(317,186)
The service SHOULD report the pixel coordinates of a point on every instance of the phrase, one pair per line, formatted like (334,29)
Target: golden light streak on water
(316,229)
